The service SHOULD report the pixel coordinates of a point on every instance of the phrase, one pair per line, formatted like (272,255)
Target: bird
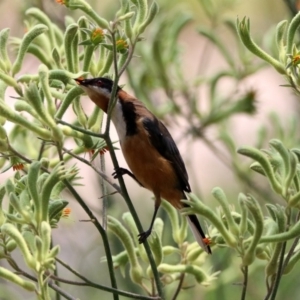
(149,150)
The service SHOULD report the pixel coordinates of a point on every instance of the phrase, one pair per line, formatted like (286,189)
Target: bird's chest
(150,168)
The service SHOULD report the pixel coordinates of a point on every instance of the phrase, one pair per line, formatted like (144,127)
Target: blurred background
(190,61)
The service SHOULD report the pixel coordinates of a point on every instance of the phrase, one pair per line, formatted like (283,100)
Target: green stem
(245,283)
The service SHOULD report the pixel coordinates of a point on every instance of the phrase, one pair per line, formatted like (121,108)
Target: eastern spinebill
(148,148)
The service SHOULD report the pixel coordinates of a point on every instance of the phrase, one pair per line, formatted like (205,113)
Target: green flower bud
(38,254)
(28,38)
(121,46)
(255,210)
(97,36)
(54,252)
(196,206)
(168,250)
(198,273)
(10,276)
(13,233)
(136,272)
(221,197)
(15,202)
(261,253)
(46,238)
(155,241)
(243,28)
(10,245)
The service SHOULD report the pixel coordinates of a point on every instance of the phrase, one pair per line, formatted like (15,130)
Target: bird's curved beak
(79,80)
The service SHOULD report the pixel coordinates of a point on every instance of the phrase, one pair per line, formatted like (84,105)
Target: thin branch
(105,288)
(71,270)
(279,273)
(292,249)
(182,275)
(128,59)
(103,175)
(40,155)
(80,129)
(104,193)
(61,292)
(269,287)
(245,283)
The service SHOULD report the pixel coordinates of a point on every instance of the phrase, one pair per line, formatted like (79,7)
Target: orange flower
(90,151)
(63,2)
(97,36)
(66,212)
(18,166)
(103,150)
(207,241)
(296,59)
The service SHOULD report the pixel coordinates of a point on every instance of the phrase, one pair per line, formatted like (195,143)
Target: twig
(80,129)
(128,59)
(182,275)
(279,273)
(61,292)
(105,288)
(104,193)
(103,175)
(291,251)
(245,283)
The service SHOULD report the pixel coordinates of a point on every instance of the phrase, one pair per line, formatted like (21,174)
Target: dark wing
(163,142)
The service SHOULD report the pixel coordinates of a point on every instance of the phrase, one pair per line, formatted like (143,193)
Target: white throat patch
(118,120)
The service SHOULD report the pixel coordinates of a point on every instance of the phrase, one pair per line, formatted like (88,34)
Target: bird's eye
(99,83)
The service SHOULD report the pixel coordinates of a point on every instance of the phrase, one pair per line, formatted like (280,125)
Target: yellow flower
(121,45)
(97,36)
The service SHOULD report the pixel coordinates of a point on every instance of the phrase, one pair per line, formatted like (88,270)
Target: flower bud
(97,36)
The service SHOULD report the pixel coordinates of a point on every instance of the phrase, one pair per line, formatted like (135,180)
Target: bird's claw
(119,172)
(143,236)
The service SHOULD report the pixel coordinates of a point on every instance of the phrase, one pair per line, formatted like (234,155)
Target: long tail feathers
(198,232)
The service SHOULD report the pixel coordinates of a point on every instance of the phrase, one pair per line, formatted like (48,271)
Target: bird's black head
(100,83)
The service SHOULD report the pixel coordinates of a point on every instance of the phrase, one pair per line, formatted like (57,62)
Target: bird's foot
(119,172)
(143,236)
